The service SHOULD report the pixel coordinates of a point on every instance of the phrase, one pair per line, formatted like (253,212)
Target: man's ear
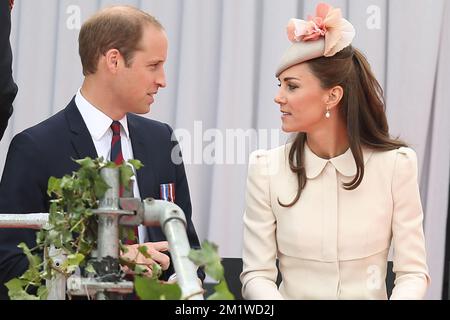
(334,97)
(112,60)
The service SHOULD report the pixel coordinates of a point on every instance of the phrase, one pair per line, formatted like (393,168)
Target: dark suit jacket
(46,150)
(8,88)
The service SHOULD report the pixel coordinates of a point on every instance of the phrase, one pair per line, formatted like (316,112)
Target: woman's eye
(292,87)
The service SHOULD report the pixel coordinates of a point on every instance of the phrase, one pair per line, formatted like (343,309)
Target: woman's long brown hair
(363,108)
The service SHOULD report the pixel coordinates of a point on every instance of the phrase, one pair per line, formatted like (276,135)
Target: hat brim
(300,52)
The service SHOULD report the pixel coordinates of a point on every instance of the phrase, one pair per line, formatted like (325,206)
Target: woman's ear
(335,95)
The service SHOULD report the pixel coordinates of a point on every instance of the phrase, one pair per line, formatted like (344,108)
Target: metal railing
(113,212)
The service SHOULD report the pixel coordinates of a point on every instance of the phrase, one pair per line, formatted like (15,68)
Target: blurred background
(221,85)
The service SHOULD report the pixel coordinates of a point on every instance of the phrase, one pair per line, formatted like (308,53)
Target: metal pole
(25,221)
(108,223)
(108,231)
(57,285)
(175,231)
(173,223)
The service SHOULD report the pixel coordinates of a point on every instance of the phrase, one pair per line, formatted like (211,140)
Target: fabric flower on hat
(328,23)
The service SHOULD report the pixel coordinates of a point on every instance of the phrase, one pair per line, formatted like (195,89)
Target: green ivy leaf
(90,269)
(15,284)
(156,271)
(33,260)
(32,275)
(53,186)
(126,172)
(221,292)
(16,290)
(208,257)
(67,182)
(144,252)
(42,293)
(72,262)
(100,187)
(139,269)
(75,259)
(151,289)
(136,164)
(67,236)
(86,163)
(127,262)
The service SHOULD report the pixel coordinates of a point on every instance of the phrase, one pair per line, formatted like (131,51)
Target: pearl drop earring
(327,114)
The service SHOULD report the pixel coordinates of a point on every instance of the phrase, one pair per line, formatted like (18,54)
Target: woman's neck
(329,141)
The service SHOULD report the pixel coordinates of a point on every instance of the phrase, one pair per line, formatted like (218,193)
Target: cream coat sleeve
(260,249)
(410,266)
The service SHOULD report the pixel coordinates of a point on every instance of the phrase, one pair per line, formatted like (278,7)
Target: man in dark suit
(123,51)
(8,88)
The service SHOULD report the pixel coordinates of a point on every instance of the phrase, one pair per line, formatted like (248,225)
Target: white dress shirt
(333,243)
(99,126)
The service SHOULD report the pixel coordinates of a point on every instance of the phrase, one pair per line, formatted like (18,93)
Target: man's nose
(161,80)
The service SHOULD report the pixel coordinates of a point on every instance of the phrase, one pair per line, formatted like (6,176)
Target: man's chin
(143,110)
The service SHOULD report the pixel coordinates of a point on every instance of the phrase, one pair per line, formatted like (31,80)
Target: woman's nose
(280,99)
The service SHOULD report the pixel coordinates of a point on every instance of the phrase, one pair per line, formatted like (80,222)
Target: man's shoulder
(48,127)
(46,132)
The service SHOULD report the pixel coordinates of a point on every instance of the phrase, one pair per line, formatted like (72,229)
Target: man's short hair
(119,27)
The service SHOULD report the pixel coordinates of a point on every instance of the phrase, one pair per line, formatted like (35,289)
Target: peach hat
(323,35)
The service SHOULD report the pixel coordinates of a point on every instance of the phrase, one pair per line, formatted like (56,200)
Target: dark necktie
(116,144)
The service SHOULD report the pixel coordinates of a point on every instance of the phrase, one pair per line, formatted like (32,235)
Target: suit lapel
(80,136)
(141,151)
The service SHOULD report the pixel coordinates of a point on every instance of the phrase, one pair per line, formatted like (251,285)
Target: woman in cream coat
(330,204)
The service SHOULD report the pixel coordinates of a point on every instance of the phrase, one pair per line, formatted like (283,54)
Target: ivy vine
(72,228)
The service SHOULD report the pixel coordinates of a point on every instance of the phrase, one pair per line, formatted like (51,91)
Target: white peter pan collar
(345,163)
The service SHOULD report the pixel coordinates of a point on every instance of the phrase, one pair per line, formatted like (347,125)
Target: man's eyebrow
(155,61)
